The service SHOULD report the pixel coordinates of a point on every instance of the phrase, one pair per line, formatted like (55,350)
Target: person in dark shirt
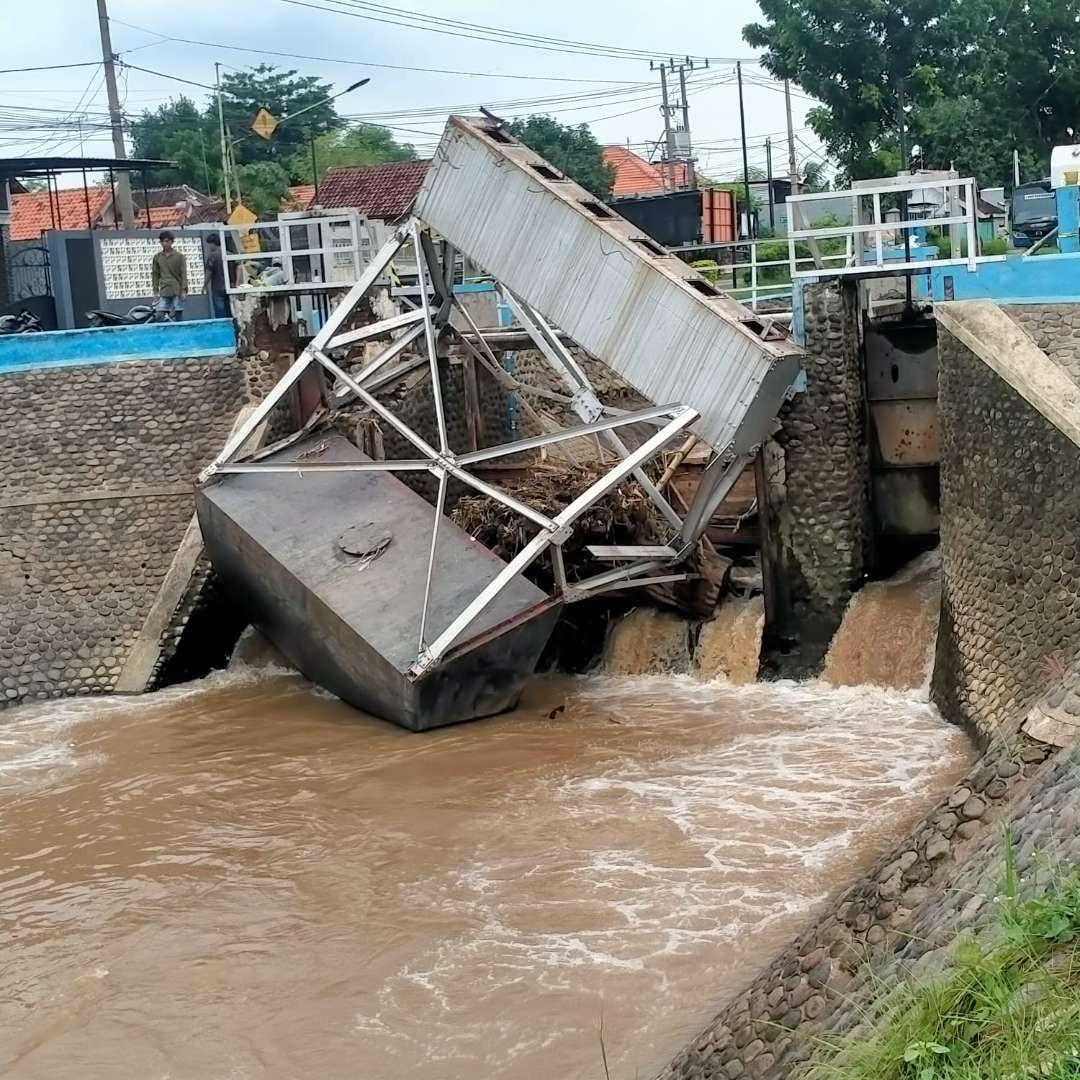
(168,274)
(215,279)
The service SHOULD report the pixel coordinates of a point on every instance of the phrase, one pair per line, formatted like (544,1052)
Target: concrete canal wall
(98,463)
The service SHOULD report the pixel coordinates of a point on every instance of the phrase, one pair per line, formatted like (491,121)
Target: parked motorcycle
(23,323)
(140,313)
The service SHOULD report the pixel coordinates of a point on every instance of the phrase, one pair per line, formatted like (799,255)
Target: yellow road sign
(241,215)
(265,124)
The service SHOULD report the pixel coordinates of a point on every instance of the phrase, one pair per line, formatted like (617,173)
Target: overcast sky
(65,31)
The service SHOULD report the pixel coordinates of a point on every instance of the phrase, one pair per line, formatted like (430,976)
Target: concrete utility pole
(224,142)
(745,159)
(1016,168)
(768,174)
(123,184)
(793,165)
(672,150)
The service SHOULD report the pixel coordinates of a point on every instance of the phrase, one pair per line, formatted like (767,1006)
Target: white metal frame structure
(963,220)
(439,316)
(338,238)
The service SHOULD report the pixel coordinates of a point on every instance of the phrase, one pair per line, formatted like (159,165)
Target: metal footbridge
(371,590)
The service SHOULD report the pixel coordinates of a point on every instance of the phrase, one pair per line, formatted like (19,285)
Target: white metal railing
(757,291)
(958,198)
(295,254)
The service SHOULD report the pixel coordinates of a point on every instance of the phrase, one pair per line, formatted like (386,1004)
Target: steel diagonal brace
(368,278)
(584,402)
(563,523)
(445,461)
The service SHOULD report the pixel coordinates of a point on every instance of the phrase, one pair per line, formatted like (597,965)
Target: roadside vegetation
(1006,1008)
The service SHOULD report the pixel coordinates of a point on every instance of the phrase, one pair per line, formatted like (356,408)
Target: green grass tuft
(1003,1011)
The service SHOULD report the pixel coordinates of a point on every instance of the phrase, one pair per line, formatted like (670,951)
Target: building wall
(98,464)
(821,518)
(1009,508)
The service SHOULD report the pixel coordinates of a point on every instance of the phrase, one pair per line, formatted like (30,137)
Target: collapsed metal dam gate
(436,629)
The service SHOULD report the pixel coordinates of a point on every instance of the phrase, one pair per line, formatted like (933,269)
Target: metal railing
(959,222)
(757,291)
(295,254)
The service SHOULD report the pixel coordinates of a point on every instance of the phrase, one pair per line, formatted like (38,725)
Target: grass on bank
(1003,1011)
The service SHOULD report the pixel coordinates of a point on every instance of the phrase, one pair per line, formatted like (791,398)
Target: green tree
(364,144)
(282,93)
(857,57)
(263,186)
(178,131)
(572,149)
(979,77)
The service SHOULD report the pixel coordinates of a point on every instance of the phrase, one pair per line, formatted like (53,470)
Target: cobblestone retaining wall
(1055,328)
(821,983)
(98,465)
(1009,508)
(824,518)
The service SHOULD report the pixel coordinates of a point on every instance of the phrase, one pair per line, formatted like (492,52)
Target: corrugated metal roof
(646,314)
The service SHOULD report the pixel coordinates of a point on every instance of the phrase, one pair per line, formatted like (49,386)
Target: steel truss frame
(432,320)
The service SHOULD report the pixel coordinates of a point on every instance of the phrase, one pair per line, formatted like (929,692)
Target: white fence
(868,223)
(297,254)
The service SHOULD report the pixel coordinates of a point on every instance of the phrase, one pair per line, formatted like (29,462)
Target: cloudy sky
(604,82)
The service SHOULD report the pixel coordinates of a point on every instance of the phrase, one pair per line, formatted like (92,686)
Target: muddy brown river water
(243,878)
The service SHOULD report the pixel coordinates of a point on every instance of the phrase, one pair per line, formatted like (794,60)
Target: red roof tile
(36,211)
(300,196)
(378,191)
(636,176)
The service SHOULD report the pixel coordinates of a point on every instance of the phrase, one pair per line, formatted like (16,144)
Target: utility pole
(224,142)
(691,180)
(745,159)
(1016,168)
(768,174)
(123,183)
(793,165)
(673,151)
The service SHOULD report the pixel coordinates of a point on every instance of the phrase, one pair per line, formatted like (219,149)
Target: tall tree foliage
(182,132)
(572,149)
(979,77)
(364,144)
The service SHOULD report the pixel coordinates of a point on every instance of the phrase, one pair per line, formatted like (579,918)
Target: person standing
(216,289)
(168,276)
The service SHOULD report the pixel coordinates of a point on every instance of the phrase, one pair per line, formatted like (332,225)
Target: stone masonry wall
(1011,575)
(823,981)
(1055,328)
(823,521)
(98,465)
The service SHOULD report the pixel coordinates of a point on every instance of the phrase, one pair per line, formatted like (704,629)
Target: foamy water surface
(244,878)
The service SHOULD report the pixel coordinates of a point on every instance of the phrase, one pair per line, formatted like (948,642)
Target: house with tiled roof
(36,212)
(636,176)
(300,197)
(379,192)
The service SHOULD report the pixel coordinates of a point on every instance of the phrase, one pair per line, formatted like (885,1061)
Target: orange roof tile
(37,211)
(636,176)
(301,196)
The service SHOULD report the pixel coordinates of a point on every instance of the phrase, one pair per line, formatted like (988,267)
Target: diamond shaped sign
(265,124)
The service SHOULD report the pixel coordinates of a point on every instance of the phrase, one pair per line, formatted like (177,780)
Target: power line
(414,20)
(370,63)
(50,67)
(163,75)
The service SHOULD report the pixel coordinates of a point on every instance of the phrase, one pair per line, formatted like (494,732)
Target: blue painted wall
(1036,279)
(112,344)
